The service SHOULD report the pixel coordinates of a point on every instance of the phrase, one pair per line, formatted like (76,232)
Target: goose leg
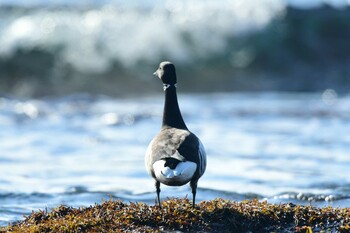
(158,192)
(194,191)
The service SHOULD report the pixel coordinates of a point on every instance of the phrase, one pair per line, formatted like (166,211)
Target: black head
(166,73)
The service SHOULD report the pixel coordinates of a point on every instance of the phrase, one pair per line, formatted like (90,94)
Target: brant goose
(175,156)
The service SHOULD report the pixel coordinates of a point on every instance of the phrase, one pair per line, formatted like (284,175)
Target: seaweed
(217,215)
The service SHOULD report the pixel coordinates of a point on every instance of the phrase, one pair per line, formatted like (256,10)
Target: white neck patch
(166,86)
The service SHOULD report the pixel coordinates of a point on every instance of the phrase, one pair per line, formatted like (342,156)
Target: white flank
(202,159)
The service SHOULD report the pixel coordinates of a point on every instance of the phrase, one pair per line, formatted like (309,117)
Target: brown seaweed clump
(178,215)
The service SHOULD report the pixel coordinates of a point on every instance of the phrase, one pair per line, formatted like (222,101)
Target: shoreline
(217,215)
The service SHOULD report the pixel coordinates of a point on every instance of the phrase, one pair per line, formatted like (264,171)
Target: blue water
(78,150)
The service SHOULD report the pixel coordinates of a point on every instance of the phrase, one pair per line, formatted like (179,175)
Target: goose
(175,156)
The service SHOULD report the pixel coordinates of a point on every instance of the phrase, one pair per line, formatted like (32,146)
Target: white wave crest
(92,40)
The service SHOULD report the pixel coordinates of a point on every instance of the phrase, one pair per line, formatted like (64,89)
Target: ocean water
(111,47)
(81,149)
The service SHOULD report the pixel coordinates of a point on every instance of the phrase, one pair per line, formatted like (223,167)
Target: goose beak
(156,74)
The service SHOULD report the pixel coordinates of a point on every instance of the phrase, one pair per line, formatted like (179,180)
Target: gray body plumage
(178,144)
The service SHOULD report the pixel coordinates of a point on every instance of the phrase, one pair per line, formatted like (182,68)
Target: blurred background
(264,84)
(112,47)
